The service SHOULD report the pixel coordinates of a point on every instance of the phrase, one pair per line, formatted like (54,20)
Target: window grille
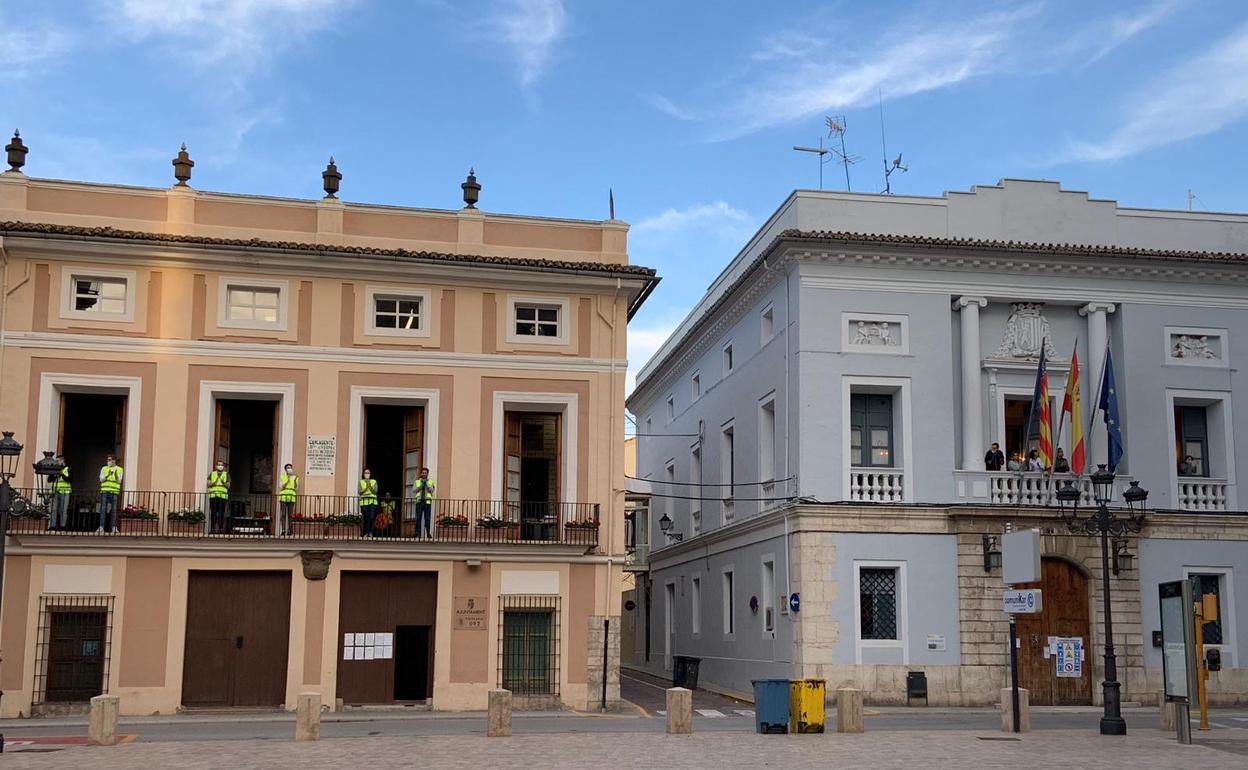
(528,648)
(73,647)
(877,599)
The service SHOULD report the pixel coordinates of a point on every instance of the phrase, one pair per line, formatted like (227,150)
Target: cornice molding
(288,353)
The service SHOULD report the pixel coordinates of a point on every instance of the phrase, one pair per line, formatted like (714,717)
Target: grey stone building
(818,423)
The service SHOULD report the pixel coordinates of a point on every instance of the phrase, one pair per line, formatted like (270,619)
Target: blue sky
(688,110)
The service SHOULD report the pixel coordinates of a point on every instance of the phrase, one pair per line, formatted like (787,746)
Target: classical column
(972,396)
(1097,314)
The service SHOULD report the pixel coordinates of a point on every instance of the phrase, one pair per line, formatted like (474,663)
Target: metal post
(1014,670)
(606,636)
(1183,722)
(6,503)
(1112,722)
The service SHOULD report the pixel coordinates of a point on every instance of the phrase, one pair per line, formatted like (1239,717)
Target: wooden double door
(1064,597)
(237,639)
(389,618)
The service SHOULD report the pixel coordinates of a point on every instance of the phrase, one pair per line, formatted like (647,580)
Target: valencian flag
(1109,404)
(1040,412)
(1073,406)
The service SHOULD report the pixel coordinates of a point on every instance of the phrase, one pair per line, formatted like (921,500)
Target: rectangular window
(671,408)
(534,320)
(767,443)
(769,595)
(767,323)
(669,475)
(250,304)
(870,430)
(1191,427)
(1211,584)
(696,613)
(729,604)
(695,489)
(727,470)
(393,312)
(102,296)
(877,603)
(727,359)
(696,385)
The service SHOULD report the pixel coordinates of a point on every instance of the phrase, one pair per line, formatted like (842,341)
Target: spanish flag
(1072,405)
(1040,411)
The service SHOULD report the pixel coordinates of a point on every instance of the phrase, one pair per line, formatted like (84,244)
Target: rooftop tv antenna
(821,151)
(895,165)
(836,132)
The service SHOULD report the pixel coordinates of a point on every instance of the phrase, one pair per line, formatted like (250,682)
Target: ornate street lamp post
(1106,523)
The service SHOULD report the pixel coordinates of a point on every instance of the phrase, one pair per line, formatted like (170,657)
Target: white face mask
(220,467)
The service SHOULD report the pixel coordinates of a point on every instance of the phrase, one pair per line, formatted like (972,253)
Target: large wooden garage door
(402,605)
(1065,601)
(237,639)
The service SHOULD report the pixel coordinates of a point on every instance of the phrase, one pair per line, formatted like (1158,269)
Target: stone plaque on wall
(322,453)
(470,613)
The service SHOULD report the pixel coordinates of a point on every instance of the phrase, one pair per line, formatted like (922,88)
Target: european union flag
(1109,404)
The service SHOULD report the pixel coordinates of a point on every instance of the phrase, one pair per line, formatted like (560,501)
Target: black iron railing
(310,517)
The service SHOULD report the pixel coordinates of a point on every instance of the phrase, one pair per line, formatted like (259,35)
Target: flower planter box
(504,534)
(183,527)
(308,528)
(139,526)
(580,535)
(452,532)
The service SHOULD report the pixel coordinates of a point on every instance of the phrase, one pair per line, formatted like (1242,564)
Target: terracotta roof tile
(20,228)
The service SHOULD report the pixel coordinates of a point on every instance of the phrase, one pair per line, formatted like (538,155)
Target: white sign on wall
(936,642)
(1022,601)
(322,453)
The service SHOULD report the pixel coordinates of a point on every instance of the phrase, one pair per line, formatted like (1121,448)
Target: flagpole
(1061,417)
(1096,404)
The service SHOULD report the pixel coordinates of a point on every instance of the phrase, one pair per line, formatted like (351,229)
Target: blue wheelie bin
(771,705)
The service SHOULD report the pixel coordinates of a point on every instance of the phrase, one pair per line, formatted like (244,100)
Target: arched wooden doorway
(1065,599)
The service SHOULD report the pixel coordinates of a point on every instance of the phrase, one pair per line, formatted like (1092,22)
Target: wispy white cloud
(1095,39)
(25,46)
(917,58)
(530,29)
(717,215)
(642,344)
(668,107)
(790,45)
(242,33)
(1202,95)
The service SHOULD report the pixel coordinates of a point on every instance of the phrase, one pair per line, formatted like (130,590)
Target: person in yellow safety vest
(218,496)
(368,503)
(110,489)
(422,492)
(287,494)
(61,486)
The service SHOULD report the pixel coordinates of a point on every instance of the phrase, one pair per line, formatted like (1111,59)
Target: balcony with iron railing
(312,517)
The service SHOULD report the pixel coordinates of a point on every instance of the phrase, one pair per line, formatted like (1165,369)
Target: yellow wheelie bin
(806,705)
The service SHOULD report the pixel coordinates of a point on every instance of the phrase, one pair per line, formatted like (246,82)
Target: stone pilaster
(594,671)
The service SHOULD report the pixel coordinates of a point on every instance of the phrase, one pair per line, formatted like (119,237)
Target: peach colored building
(174,327)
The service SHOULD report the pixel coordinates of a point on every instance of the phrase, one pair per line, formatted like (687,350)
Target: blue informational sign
(795,602)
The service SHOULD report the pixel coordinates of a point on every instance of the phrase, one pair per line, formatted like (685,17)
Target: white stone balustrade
(876,485)
(1202,494)
(1017,488)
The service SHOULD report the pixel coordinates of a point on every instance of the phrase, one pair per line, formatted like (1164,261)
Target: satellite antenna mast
(895,165)
(821,151)
(836,128)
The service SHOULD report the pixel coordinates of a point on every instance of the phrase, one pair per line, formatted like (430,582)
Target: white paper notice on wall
(348,653)
(387,653)
(385,640)
(348,640)
(369,653)
(370,640)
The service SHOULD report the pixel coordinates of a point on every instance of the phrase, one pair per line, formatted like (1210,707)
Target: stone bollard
(1007,710)
(500,714)
(679,711)
(102,730)
(308,717)
(1165,712)
(849,714)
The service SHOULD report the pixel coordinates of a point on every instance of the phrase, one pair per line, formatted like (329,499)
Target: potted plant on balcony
(581,531)
(452,527)
(302,525)
(186,520)
(497,529)
(137,519)
(342,525)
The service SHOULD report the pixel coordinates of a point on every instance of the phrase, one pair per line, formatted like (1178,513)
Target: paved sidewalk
(1053,749)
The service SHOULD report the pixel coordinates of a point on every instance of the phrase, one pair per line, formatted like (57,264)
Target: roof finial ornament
(330,178)
(17,152)
(472,189)
(182,166)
